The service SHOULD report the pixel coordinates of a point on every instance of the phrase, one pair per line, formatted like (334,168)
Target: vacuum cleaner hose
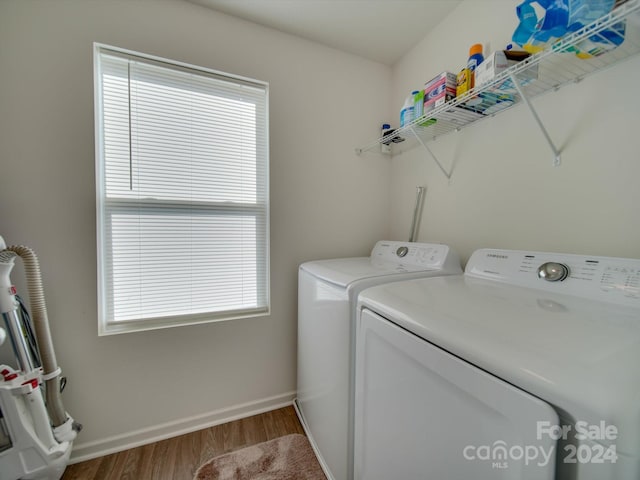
(50,368)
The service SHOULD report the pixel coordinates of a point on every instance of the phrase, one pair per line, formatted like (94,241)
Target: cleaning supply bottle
(418,103)
(386,130)
(385,146)
(475,59)
(407,112)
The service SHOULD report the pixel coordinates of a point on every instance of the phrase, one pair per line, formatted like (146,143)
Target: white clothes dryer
(327,294)
(525,367)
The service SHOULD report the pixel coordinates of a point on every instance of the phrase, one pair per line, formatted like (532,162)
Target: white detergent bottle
(407,112)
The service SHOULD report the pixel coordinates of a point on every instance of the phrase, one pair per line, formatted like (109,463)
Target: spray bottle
(407,113)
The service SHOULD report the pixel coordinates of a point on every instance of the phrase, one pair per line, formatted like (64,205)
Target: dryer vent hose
(55,408)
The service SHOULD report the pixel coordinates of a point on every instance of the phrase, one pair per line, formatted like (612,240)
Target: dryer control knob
(553,272)
(402,251)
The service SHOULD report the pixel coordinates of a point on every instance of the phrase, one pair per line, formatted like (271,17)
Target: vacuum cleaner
(36,433)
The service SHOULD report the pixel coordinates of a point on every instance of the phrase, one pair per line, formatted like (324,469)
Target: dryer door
(422,413)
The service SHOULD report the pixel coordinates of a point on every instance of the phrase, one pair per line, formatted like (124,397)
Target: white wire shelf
(548,70)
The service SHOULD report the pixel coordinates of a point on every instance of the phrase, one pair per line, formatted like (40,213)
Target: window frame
(259,210)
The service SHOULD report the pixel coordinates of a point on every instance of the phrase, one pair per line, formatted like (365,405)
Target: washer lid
(387,258)
(344,271)
(580,355)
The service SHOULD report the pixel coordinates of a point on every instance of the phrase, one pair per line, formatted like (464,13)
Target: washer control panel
(601,278)
(413,256)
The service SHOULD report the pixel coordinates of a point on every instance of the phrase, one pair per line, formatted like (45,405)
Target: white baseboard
(98,448)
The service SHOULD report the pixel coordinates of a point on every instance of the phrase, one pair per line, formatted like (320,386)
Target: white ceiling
(381,30)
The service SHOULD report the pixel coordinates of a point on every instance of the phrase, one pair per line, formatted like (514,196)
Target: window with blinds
(182,193)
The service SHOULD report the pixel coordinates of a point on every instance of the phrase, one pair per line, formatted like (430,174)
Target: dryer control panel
(609,279)
(412,256)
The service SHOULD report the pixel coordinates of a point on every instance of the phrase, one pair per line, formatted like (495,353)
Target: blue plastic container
(543,22)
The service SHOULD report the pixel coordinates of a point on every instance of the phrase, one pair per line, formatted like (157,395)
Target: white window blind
(182,181)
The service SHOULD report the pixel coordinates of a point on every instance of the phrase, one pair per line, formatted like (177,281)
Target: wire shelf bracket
(426,147)
(534,114)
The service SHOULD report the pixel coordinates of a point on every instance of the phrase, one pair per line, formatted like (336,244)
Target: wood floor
(178,458)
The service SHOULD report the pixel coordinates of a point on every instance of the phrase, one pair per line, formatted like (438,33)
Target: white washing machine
(327,294)
(525,367)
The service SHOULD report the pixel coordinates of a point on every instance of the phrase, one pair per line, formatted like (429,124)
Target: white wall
(504,193)
(325,202)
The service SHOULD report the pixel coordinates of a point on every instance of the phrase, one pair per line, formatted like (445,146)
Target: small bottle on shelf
(385,146)
(418,103)
(475,59)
